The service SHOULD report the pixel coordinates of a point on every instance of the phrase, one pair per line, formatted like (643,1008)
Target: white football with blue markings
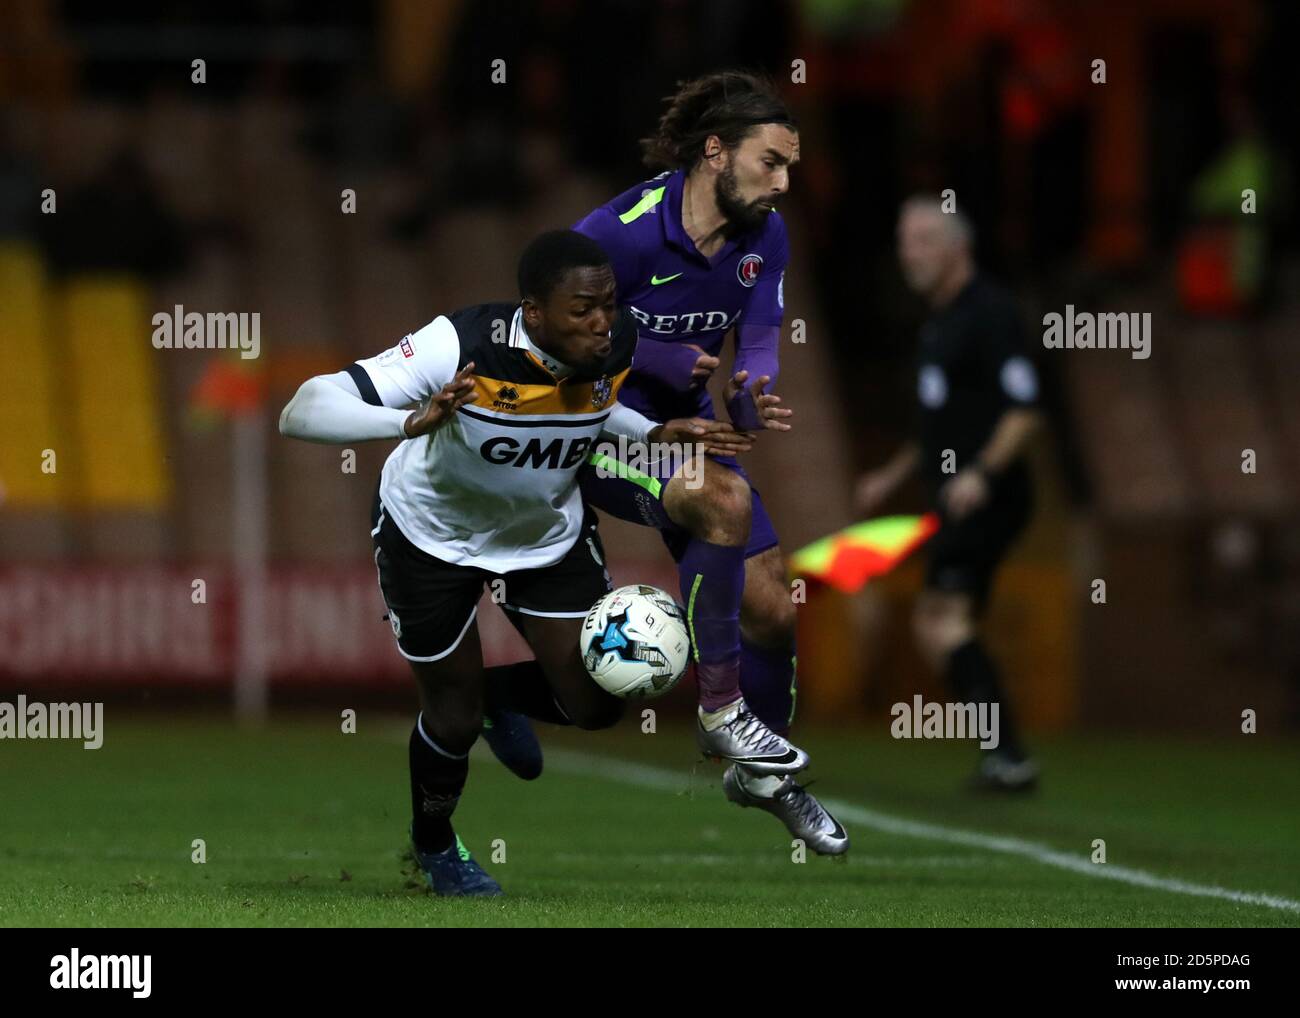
(634,642)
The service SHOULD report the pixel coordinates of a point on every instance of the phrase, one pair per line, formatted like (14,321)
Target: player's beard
(741,217)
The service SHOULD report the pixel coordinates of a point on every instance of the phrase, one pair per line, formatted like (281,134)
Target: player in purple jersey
(699,252)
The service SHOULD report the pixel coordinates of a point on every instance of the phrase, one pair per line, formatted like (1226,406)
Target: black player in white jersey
(484,488)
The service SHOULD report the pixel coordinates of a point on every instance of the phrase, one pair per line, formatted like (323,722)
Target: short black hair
(549,257)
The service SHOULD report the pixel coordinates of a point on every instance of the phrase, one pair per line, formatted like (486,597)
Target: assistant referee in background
(977,395)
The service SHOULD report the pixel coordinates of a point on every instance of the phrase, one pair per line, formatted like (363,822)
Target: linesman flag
(848,559)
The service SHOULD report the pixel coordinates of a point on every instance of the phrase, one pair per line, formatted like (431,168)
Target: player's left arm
(750,402)
(1006,358)
(1005,355)
(1014,429)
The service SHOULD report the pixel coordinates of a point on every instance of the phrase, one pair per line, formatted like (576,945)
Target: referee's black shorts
(432,603)
(963,555)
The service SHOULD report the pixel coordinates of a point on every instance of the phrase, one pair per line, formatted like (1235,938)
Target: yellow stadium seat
(113,392)
(29,409)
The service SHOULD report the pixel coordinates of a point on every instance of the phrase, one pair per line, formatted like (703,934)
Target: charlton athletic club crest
(600,393)
(748,269)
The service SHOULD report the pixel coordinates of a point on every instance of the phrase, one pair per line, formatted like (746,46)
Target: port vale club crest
(600,393)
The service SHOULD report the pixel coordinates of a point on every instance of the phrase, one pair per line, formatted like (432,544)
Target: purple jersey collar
(675,232)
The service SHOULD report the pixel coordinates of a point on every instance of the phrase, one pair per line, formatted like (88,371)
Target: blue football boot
(513,741)
(453,873)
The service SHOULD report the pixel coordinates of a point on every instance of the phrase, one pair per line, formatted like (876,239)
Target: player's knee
(713,505)
(729,494)
(721,508)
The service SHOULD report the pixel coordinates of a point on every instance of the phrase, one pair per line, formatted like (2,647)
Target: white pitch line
(659,779)
(717,859)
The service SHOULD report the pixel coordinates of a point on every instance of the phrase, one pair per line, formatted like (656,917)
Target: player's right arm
(758,335)
(368,400)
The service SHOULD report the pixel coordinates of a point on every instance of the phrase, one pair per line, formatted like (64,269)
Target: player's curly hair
(729,104)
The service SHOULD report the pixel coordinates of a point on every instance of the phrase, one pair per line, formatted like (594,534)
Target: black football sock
(522,688)
(437,778)
(974,678)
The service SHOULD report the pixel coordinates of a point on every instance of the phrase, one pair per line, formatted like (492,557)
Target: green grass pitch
(305,826)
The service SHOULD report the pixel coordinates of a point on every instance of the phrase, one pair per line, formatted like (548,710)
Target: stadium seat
(29,421)
(111,370)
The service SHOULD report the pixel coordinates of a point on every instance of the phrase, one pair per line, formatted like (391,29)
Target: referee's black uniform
(972,367)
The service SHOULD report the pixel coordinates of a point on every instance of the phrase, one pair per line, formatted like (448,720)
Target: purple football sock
(712,579)
(768,682)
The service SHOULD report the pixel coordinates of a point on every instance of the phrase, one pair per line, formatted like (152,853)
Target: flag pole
(249,555)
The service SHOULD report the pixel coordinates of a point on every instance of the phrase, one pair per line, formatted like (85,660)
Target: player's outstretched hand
(705,365)
(765,412)
(444,404)
(965,493)
(715,438)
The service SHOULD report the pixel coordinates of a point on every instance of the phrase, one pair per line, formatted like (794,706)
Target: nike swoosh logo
(789,756)
(656,281)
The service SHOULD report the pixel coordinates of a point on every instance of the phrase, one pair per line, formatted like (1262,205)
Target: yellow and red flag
(848,559)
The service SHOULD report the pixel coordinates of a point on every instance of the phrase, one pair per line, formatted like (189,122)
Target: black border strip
(366,387)
(514,422)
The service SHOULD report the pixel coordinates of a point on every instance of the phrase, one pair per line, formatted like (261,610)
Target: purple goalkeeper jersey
(679,296)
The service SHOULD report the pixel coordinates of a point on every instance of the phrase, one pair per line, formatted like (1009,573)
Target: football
(634,642)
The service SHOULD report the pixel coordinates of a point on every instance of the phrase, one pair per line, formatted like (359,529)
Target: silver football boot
(742,738)
(804,817)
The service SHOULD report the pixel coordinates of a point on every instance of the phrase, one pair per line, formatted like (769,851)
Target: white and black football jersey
(496,487)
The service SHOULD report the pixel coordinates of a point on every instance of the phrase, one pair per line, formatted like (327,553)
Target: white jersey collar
(519,337)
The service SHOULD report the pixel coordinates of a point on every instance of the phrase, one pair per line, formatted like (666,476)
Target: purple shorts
(633,492)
